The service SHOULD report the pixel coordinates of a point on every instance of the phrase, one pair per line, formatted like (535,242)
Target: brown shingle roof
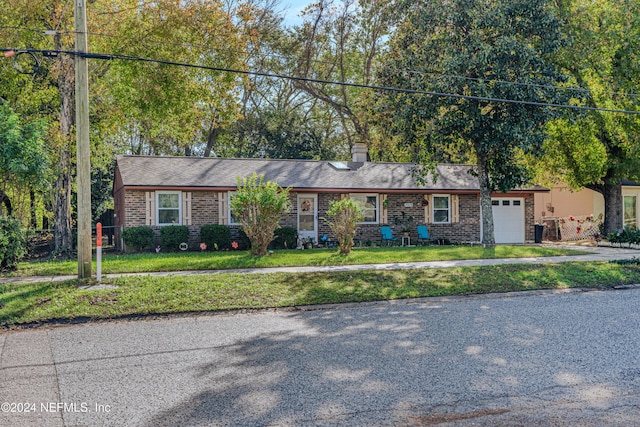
(312,174)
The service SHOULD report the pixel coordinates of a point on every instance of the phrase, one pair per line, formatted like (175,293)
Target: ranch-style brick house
(193,191)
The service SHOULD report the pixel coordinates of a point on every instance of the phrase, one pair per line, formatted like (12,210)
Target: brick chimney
(359,152)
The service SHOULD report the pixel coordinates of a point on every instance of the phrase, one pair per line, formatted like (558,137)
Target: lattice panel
(578,227)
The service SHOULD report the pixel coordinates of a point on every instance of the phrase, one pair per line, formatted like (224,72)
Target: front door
(308,217)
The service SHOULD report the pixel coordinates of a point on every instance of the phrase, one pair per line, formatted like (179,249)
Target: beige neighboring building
(562,202)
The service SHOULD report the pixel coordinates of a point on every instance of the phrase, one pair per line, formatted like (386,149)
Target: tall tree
(50,94)
(153,108)
(163,108)
(23,159)
(485,49)
(341,42)
(598,149)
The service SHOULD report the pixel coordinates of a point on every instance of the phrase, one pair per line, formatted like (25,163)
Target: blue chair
(328,243)
(423,234)
(387,235)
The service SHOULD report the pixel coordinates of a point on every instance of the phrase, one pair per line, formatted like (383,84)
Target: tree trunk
(613,206)
(211,140)
(62,236)
(488,238)
(611,191)
(4,200)
(32,209)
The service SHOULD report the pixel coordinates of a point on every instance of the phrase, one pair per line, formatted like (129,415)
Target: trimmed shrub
(172,235)
(216,236)
(628,235)
(344,216)
(138,238)
(243,240)
(13,243)
(258,206)
(286,238)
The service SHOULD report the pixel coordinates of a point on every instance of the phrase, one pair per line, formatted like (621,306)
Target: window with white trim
(369,205)
(441,209)
(231,216)
(168,208)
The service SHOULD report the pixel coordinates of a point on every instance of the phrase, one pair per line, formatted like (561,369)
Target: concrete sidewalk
(599,253)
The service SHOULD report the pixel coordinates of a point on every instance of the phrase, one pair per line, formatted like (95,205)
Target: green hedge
(626,235)
(216,236)
(285,238)
(172,235)
(13,243)
(138,238)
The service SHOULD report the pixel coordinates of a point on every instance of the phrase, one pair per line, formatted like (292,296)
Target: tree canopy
(483,51)
(475,53)
(598,149)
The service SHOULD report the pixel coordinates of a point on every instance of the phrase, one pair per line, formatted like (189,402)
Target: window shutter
(150,208)
(186,208)
(383,209)
(455,208)
(222,208)
(427,209)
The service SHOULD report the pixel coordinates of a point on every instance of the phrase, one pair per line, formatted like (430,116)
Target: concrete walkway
(592,253)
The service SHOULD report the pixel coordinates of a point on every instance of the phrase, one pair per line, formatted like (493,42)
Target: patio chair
(327,242)
(423,234)
(387,235)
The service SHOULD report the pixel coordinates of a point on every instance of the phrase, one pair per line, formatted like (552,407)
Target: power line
(498,81)
(436,74)
(103,56)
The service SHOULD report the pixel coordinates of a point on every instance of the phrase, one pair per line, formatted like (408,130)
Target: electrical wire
(103,56)
(436,74)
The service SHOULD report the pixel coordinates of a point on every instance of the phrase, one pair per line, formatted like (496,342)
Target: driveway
(543,358)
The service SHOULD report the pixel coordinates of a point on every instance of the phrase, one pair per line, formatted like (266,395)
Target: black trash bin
(539,231)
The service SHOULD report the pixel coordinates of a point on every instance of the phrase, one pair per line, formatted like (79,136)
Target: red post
(99,252)
(99,235)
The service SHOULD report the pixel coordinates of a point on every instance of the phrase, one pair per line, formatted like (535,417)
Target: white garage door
(508,220)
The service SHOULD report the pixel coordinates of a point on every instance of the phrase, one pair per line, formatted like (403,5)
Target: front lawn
(144,295)
(151,262)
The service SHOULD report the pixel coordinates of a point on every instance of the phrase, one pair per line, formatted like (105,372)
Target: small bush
(216,236)
(630,261)
(13,243)
(258,206)
(243,240)
(138,238)
(172,235)
(285,238)
(344,216)
(626,235)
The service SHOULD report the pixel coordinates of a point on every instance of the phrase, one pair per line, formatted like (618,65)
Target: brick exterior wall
(466,230)
(205,205)
(135,208)
(529,218)
(204,208)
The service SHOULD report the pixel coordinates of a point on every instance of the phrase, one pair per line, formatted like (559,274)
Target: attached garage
(508,220)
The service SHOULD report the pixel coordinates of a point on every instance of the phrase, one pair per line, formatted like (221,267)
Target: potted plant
(404,222)
(307,242)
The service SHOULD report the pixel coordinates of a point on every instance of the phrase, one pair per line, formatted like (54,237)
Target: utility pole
(83,160)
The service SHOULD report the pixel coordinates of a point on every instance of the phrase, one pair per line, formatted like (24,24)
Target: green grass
(141,295)
(240,259)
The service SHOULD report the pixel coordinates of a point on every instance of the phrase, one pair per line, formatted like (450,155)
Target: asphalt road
(526,359)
